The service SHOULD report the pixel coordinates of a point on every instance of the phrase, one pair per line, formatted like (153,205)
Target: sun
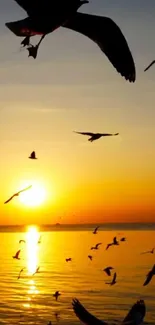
(34,196)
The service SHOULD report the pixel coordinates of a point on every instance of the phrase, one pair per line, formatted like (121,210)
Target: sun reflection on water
(32,238)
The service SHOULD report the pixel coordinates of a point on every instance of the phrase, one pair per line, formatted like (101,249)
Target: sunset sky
(72,86)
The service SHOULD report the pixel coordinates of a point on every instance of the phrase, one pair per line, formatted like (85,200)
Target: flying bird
(16,256)
(134,317)
(123,239)
(108,269)
(95,230)
(90,257)
(39,240)
(96,136)
(113,280)
(56,295)
(150,65)
(149,252)
(149,276)
(46,16)
(17,194)
(68,259)
(22,241)
(20,273)
(37,270)
(33,155)
(114,243)
(96,246)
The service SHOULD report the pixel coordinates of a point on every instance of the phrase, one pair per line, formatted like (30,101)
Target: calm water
(30,300)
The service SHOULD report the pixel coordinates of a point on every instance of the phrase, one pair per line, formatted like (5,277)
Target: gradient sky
(72,86)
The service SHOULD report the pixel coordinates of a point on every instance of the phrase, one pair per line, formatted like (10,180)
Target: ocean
(29,300)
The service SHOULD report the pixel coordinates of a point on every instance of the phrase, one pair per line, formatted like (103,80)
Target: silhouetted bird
(108,269)
(96,136)
(149,252)
(20,273)
(56,295)
(32,155)
(37,270)
(90,257)
(22,241)
(46,16)
(113,280)
(17,194)
(68,259)
(123,239)
(16,256)
(134,317)
(57,316)
(96,246)
(150,65)
(95,230)
(39,240)
(114,243)
(149,276)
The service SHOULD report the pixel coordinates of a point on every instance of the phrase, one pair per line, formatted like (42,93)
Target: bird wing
(149,66)
(97,245)
(17,254)
(109,38)
(136,314)
(107,271)
(9,199)
(148,278)
(85,133)
(27,5)
(114,278)
(25,189)
(97,226)
(84,315)
(108,246)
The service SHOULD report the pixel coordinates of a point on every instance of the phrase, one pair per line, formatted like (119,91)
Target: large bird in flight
(17,194)
(96,136)
(149,276)
(45,16)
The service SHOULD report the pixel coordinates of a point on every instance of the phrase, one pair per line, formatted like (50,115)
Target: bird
(37,270)
(68,259)
(149,252)
(123,239)
(96,136)
(20,272)
(113,280)
(115,243)
(56,295)
(32,155)
(149,276)
(96,246)
(17,194)
(108,269)
(16,256)
(90,257)
(95,230)
(39,240)
(149,66)
(22,241)
(57,316)
(134,317)
(44,17)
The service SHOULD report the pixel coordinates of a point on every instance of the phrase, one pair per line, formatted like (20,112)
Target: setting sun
(35,196)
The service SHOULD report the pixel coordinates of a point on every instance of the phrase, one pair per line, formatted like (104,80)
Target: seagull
(32,155)
(96,136)
(44,17)
(68,259)
(149,276)
(150,65)
(16,256)
(134,317)
(115,243)
(108,269)
(96,246)
(56,295)
(37,270)
(149,252)
(113,280)
(20,272)
(90,257)
(17,194)
(22,241)
(95,230)
(123,239)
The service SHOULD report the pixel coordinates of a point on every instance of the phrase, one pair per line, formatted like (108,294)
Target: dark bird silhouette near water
(16,256)
(96,246)
(108,269)
(96,136)
(46,16)
(37,270)
(90,257)
(95,230)
(56,295)
(22,241)
(113,280)
(149,276)
(17,194)
(149,66)
(134,317)
(114,243)
(149,252)
(33,155)
(20,273)
(68,259)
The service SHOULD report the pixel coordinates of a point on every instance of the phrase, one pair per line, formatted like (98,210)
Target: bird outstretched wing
(27,5)
(9,199)
(108,36)
(108,245)
(84,315)
(25,189)
(149,66)
(114,278)
(148,278)
(136,314)
(85,133)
